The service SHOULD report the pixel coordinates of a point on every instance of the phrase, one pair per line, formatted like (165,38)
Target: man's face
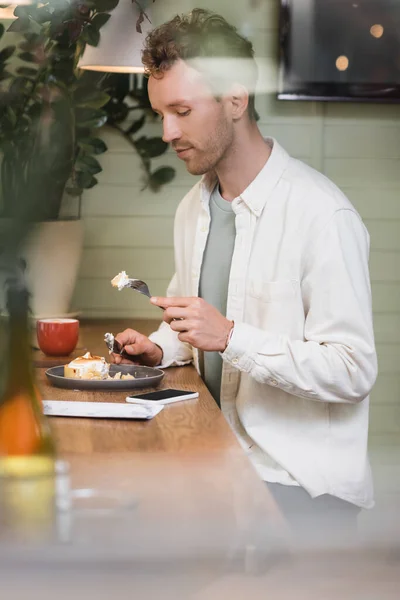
(196,125)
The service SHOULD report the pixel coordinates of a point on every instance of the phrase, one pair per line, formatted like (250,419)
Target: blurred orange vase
(24,430)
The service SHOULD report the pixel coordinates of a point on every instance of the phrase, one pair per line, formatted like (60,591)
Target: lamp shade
(120,46)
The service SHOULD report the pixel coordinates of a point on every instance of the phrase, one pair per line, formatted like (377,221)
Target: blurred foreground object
(27,450)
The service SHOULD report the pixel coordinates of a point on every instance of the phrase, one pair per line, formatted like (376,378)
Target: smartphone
(162,396)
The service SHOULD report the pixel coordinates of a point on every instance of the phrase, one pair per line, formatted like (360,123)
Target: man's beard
(209,159)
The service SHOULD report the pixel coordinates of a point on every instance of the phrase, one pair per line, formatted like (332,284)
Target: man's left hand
(197,322)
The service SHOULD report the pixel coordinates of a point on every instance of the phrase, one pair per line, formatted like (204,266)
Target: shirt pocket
(275,306)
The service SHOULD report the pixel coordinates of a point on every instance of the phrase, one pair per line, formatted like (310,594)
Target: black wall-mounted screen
(343,50)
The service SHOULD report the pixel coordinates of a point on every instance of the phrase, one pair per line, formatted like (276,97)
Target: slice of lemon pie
(87,367)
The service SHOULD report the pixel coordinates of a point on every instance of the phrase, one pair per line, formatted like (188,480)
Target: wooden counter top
(190,426)
(184,470)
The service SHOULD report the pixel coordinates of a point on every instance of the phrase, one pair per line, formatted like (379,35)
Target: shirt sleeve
(175,352)
(336,360)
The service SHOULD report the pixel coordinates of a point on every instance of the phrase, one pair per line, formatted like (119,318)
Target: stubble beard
(214,153)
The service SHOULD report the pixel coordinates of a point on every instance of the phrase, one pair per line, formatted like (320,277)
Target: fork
(122,281)
(140,286)
(114,346)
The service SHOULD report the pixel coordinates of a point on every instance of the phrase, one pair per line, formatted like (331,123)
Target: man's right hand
(143,350)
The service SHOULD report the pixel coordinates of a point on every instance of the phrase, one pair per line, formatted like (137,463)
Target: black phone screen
(162,395)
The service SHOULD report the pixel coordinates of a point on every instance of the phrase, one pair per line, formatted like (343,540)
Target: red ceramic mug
(57,337)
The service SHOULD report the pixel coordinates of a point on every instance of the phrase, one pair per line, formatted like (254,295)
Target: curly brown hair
(197,34)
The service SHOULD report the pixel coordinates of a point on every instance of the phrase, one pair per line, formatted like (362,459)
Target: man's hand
(143,350)
(198,323)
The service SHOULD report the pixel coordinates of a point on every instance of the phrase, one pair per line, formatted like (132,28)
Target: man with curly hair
(271,296)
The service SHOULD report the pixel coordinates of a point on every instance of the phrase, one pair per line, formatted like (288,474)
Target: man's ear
(239,97)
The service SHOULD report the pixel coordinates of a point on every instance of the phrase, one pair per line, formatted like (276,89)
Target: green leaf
(19,85)
(21,11)
(160,177)
(8,121)
(34,27)
(27,71)
(83,132)
(6,53)
(93,123)
(91,79)
(139,22)
(93,99)
(90,35)
(105,5)
(85,180)
(19,25)
(117,111)
(151,147)
(83,114)
(27,56)
(63,70)
(32,41)
(5,75)
(42,15)
(92,145)
(99,20)
(136,125)
(89,164)
(90,117)
(12,116)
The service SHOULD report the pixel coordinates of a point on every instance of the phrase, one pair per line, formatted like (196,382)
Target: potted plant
(128,111)
(49,111)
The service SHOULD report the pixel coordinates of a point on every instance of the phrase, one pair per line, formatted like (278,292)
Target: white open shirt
(301,362)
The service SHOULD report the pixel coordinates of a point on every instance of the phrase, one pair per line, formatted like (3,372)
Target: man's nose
(171,131)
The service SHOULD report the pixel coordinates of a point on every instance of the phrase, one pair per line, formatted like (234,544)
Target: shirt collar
(256,195)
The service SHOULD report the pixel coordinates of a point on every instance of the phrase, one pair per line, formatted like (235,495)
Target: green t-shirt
(214,277)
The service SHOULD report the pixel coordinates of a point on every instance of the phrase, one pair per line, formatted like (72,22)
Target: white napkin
(102,410)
